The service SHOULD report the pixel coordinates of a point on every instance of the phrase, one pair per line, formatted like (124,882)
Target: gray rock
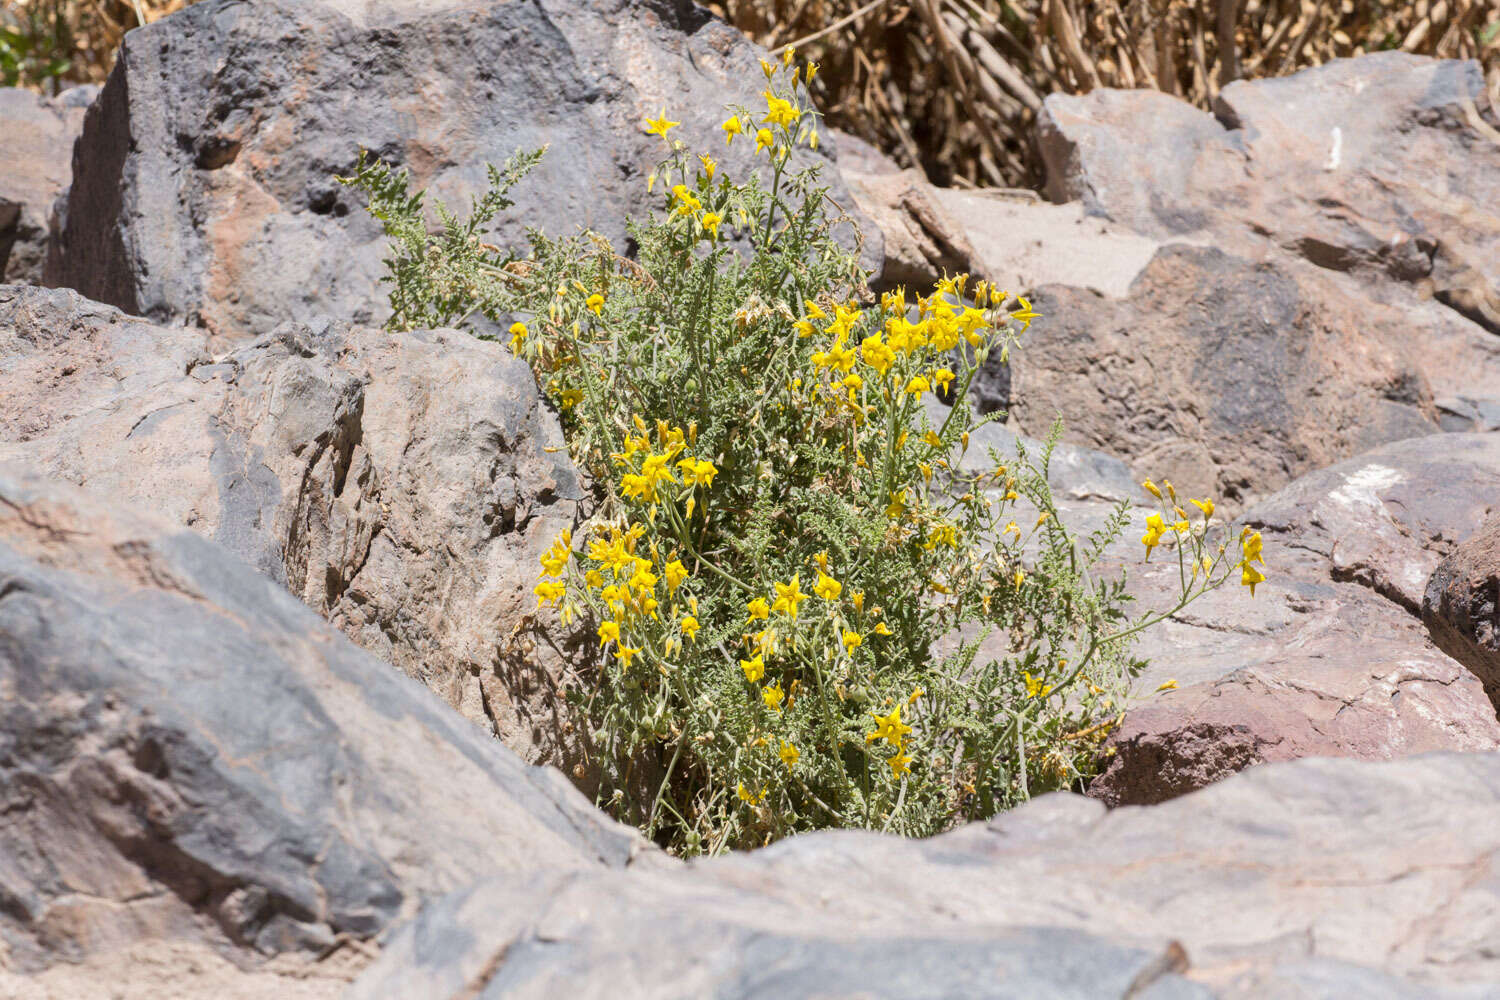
(36,146)
(1215,371)
(1352,166)
(203,183)
(1461,605)
(1318,878)
(1329,658)
(402,485)
(187,752)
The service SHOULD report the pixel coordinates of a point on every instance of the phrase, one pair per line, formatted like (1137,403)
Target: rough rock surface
(921,239)
(36,148)
(1461,605)
(251,109)
(1382,173)
(1313,879)
(1330,657)
(1233,376)
(1384,165)
(402,485)
(187,752)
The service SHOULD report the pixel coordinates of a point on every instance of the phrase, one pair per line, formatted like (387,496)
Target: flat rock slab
(204,184)
(1330,657)
(402,485)
(1318,878)
(188,752)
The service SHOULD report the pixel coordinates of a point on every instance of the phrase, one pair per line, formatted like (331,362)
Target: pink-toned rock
(1329,658)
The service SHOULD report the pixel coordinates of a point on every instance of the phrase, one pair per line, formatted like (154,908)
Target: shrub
(784,528)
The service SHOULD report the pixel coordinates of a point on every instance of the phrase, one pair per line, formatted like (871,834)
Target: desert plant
(783,529)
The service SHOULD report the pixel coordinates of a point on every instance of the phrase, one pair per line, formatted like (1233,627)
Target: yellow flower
(690,626)
(548,592)
(827,587)
(889,728)
(732,128)
(788,56)
(813,310)
(877,353)
(517,337)
(759,609)
(780,112)
(880,629)
(745,796)
(1207,506)
(1250,576)
(1251,547)
(789,755)
(803,328)
(809,71)
(852,641)
(595,303)
(625,654)
(763,139)
(942,378)
(593,579)
(711,223)
(660,126)
(1024,315)
(916,693)
(1034,686)
(675,572)
(900,764)
(917,386)
(788,596)
(709,164)
(858,600)
(1019,578)
(772,697)
(767,68)
(609,632)
(1170,685)
(1155,528)
(555,559)
(1151,489)
(754,669)
(570,398)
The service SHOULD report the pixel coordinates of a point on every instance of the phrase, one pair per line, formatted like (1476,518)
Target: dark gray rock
(1216,371)
(36,148)
(1314,879)
(204,188)
(1461,605)
(187,752)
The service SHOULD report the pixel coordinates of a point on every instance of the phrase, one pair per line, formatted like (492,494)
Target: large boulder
(1384,165)
(1338,286)
(1230,375)
(36,148)
(204,188)
(402,485)
(1461,605)
(1330,657)
(188,753)
(1314,879)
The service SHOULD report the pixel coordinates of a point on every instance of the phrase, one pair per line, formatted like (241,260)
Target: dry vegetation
(954,85)
(950,85)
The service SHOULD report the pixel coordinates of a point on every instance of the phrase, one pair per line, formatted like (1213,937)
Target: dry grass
(44,43)
(950,85)
(953,85)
